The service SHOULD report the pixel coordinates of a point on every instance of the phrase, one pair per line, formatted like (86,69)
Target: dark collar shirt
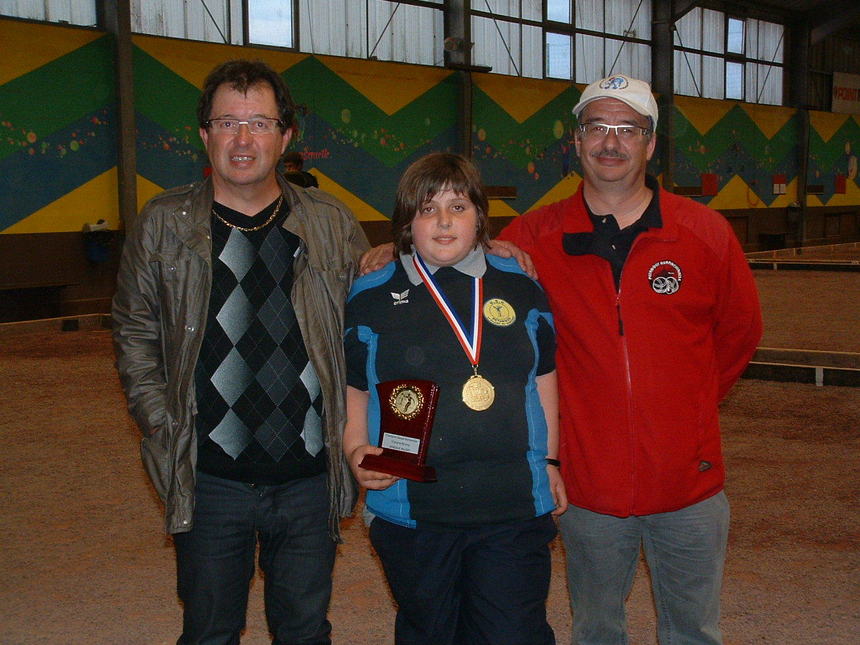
(610,242)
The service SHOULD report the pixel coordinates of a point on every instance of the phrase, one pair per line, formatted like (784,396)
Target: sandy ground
(84,559)
(810,309)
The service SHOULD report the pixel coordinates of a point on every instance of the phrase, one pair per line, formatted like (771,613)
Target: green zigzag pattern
(736,146)
(736,128)
(520,143)
(357,119)
(40,102)
(165,97)
(828,154)
(43,102)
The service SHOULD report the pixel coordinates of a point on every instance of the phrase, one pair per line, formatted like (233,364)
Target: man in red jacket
(656,315)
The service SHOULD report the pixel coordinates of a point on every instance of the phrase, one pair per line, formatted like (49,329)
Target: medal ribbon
(470,342)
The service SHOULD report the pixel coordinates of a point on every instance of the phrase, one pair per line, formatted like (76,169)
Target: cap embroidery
(614,83)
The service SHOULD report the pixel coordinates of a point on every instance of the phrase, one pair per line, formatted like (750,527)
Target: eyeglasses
(259,125)
(624,131)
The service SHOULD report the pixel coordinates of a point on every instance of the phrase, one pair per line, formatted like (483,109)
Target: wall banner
(846,93)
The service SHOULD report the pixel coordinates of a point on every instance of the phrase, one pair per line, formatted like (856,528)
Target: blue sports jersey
(490,464)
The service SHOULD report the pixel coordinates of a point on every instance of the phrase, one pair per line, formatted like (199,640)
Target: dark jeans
(215,560)
(481,586)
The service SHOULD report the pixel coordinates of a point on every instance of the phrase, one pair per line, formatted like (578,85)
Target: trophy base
(399,468)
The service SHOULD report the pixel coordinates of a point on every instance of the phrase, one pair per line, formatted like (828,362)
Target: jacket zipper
(631,429)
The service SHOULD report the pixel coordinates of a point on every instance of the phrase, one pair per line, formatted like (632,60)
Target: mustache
(610,153)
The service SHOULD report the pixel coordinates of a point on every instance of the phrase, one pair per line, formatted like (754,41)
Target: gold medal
(478,393)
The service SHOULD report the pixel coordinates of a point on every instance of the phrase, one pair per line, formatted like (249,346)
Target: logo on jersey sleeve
(665,277)
(499,312)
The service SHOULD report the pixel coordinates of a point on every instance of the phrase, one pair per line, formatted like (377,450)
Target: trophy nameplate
(407,408)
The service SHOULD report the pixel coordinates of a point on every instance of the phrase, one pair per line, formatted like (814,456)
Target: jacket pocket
(155,453)
(170,270)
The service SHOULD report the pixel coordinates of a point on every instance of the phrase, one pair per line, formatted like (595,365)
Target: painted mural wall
(361,124)
(833,150)
(57,129)
(522,137)
(746,156)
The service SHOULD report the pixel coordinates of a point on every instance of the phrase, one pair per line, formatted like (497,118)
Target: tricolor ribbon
(469,341)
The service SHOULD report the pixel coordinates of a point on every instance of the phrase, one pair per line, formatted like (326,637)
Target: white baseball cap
(635,93)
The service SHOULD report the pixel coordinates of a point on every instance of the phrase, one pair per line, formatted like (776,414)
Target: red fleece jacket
(642,369)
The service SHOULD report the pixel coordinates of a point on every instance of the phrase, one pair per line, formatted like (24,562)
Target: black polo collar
(592,242)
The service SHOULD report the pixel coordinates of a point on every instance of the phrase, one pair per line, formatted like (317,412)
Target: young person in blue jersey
(467,557)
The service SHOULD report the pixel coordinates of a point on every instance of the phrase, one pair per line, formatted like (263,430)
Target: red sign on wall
(710,183)
(839,184)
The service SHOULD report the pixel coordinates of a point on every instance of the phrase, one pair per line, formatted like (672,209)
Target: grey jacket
(159,316)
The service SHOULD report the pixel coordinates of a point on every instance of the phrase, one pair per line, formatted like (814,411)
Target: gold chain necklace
(249,229)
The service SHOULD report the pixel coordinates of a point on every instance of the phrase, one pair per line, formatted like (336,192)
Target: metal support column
(798,92)
(116,18)
(662,83)
(458,55)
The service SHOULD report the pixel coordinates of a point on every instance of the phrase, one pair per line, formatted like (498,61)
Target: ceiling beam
(681,7)
(838,16)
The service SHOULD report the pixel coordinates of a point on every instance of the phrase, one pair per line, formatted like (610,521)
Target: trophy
(407,408)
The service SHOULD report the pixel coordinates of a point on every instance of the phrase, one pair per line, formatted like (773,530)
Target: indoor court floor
(84,559)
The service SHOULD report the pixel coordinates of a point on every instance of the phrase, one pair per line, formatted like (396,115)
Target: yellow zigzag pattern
(26,47)
(826,124)
(97,199)
(193,60)
(389,86)
(703,114)
(363,211)
(521,99)
(770,119)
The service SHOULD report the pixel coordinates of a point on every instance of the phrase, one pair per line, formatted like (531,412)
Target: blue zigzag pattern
(56,165)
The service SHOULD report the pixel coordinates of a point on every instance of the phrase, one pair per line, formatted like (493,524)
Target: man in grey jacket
(228,325)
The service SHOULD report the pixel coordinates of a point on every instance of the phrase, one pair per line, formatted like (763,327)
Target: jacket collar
(578,237)
(296,220)
(473,265)
(191,221)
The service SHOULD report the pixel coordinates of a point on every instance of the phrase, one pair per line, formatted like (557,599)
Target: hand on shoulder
(376,258)
(505,249)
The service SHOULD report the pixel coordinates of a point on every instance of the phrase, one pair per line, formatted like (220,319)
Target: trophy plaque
(407,408)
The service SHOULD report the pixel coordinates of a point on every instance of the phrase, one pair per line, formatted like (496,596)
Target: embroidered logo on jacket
(400,298)
(499,312)
(665,277)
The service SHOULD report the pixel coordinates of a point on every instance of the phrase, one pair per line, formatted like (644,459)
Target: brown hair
(294,157)
(241,75)
(425,178)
